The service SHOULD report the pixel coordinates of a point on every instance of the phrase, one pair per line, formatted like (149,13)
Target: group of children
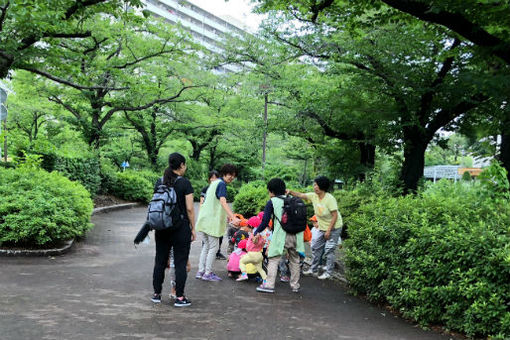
(248,253)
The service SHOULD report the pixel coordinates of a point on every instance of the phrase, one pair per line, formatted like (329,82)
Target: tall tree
(485,24)
(125,66)
(28,29)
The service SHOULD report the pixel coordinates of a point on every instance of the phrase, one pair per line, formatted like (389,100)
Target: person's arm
(334,213)
(297,194)
(268,212)
(230,214)
(201,200)
(190,210)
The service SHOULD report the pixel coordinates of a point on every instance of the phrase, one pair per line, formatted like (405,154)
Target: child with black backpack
(289,241)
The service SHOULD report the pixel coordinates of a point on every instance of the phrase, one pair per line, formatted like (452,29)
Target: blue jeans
(320,245)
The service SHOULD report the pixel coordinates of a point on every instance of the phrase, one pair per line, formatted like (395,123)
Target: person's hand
(327,234)
(188,266)
(287,192)
(193,235)
(256,238)
(235,221)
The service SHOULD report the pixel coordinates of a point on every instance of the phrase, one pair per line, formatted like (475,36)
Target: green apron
(277,244)
(212,218)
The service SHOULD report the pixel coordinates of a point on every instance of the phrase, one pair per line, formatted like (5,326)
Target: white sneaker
(324,276)
(308,272)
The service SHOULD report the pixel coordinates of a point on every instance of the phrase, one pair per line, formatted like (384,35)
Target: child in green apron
(281,241)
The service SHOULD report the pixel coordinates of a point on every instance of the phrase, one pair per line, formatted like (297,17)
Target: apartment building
(205,27)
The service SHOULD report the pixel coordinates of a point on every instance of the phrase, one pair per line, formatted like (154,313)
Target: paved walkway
(101,290)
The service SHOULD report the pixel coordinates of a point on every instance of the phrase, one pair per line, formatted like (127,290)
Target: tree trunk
(212,157)
(415,145)
(5,66)
(367,158)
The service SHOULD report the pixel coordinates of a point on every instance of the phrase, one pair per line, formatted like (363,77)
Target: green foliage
(29,161)
(251,199)
(133,185)
(231,193)
(28,23)
(495,181)
(466,176)
(7,165)
(85,170)
(289,174)
(439,258)
(40,208)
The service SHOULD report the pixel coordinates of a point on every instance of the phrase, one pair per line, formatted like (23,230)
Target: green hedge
(40,208)
(85,169)
(133,185)
(251,199)
(442,257)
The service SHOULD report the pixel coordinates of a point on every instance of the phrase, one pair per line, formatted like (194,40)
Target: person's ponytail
(175,160)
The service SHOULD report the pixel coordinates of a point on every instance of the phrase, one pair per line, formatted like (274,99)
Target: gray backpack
(163,212)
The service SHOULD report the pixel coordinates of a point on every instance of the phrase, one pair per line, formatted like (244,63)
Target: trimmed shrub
(41,209)
(133,185)
(87,171)
(7,165)
(251,199)
(439,258)
(85,168)
(231,193)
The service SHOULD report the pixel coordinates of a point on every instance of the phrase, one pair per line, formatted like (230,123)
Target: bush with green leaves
(86,170)
(134,185)
(231,193)
(40,208)
(251,199)
(442,257)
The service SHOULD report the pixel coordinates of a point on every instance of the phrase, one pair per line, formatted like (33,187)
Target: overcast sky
(239,9)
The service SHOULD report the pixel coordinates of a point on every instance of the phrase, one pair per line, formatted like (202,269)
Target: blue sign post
(124,165)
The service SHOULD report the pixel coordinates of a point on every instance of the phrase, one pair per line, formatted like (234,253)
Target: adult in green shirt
(330,226)
(212,221)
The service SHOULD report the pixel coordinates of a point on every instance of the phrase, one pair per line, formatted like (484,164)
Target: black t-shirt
(182,188)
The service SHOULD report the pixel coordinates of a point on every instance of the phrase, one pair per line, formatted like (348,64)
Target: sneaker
(295,290)
(324,276)
(156,298)
(211,277)
(284,278)
(309,272)
(182,302)
(220,256)
(243,277)
(264,288)
(199,275)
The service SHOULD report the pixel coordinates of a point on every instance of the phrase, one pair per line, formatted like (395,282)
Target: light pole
(3,119)
(265,90)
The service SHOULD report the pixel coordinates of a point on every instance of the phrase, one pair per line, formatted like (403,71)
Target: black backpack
(294,214)
(163,212)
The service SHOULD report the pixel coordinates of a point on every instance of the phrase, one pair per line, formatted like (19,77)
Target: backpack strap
(282,197)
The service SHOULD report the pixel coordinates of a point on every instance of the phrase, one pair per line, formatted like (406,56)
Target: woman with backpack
(179,236)
(330,226)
